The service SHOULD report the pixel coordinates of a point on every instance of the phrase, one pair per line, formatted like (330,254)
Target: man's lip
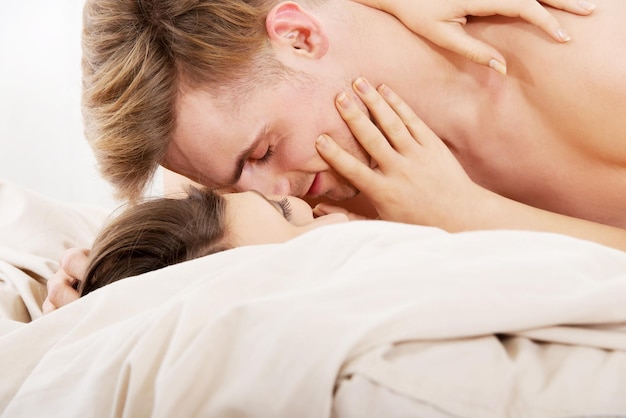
(314,190)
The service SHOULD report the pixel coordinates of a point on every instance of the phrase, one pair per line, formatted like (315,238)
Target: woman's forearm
(492,211)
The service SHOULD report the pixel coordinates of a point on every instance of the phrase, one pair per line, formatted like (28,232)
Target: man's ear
(294,29)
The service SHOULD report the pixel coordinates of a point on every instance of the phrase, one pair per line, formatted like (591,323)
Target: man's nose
(264,181)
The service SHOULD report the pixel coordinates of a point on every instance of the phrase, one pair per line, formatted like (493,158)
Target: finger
(326,209)
(452,36)
(60,291)
(62,285)
(416,127)
(75,262)
(389,122)
(529,10)
(358,174)
(47,307)
(322,209)
(364,130)
(536,14)
(579,7)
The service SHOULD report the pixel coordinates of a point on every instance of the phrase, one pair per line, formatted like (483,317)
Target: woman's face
(255,219)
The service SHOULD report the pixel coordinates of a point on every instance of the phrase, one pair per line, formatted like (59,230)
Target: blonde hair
(139,54)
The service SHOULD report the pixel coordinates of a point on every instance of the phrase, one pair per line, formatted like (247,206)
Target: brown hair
(154,234)
(139,54)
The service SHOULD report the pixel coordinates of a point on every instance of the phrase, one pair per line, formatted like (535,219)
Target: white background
(42,146)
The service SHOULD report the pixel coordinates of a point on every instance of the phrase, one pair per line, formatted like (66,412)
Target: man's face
(267,143)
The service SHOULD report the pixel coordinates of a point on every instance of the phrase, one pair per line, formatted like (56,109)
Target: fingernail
(562,35)
(385,91)
(318,211)
(585,5)
(344,101)
(498,66)
(322,142)
(362,85)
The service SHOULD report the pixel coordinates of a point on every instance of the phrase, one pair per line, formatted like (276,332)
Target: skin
(254,219)
(293,166)
(406,149)
(443,23)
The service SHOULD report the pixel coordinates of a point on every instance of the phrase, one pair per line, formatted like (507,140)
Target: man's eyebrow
(244,156)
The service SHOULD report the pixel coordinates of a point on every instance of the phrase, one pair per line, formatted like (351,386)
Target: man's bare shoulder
(598,44)
(578,88)
(556,137)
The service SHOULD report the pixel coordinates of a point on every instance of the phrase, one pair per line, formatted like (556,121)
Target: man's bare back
(556,138)
(551,133)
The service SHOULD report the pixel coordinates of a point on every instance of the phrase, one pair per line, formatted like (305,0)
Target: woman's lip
(315,188)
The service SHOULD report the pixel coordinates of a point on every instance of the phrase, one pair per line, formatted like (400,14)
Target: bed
(364,319)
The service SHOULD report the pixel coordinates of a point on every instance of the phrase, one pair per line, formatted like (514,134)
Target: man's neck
(432,81)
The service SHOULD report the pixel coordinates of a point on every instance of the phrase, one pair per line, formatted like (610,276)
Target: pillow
(35,230)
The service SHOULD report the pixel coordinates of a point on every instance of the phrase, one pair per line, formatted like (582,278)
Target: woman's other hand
(322,209)
(442,22)
(63,284)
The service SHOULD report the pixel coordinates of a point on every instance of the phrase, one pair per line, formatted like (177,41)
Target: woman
(165,231)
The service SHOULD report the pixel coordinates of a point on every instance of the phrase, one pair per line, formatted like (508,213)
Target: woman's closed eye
(285,207)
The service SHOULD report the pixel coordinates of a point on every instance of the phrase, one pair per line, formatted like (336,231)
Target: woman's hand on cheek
(416,179)
(442,22)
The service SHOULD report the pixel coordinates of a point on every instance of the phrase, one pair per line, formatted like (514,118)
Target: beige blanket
(485,324)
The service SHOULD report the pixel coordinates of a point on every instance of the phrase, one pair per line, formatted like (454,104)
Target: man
(550,134)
